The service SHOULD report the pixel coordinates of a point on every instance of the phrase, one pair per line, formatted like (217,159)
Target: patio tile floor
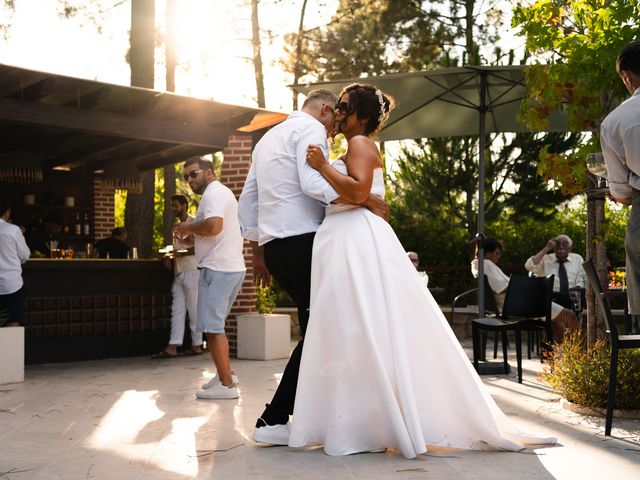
(137,418)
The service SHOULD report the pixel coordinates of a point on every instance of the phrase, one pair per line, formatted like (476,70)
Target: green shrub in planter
(582,375)
(266,300)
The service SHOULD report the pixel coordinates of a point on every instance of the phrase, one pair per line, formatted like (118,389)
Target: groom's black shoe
(271,434)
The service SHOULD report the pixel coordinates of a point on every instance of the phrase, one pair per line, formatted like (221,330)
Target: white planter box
(264,337)
(11,355)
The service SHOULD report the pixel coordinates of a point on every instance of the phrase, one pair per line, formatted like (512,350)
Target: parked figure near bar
(218,247)
(562,319)
(620,141)
(49,231)
(13,253)
(565,265)
(114,246)
(184,291)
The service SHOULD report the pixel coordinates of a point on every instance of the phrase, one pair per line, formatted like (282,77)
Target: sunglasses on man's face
(342,107)
(192,174)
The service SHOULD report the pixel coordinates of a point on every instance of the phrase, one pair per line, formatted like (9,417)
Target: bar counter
(80,309)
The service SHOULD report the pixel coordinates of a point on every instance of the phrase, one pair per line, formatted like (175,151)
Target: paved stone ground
(138,418)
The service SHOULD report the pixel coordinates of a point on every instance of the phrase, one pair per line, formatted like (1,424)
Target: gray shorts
(216,293)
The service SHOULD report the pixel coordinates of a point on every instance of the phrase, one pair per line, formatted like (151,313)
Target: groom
(280,209)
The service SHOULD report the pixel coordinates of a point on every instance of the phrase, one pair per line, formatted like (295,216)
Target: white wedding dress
(381,368)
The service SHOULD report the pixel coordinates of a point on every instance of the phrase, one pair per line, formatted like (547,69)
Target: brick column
(103,209)
(235,167)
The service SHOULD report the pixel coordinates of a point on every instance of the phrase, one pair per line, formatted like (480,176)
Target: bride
(381,367)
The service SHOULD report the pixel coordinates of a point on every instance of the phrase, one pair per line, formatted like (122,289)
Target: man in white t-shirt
(561,318)
(184,291)
(13,253)
(218,248)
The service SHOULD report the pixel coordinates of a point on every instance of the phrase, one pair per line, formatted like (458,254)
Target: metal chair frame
(617,342)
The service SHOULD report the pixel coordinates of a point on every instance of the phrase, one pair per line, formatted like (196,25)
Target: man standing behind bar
(13,253)
(620,142)
(218,247)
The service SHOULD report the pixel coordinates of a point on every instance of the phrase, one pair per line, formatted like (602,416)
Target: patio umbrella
(449,102)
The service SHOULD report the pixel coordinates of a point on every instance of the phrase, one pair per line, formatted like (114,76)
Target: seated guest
(413,256)
(114,246)
(556,258)
(49,231)
(561,318)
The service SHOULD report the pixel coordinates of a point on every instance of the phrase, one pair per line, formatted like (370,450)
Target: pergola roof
(69,122)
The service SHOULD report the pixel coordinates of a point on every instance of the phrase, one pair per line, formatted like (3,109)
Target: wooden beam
(144,156)
(170,156)
(111,124)
(103,151)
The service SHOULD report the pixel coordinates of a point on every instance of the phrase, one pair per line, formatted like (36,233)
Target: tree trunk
(257,57)
(296,68)
(169,172)
(596,251)
(138,214)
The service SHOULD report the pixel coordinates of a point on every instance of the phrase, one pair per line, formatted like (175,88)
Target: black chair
(490,310)
(527,306)
(618,342)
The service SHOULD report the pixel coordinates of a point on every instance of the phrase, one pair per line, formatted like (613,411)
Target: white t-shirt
(13,253)
(222,252)
(188,262)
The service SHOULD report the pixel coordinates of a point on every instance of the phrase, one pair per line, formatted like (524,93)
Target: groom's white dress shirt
(290,195)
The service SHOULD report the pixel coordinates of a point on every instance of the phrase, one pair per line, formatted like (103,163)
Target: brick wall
(103,209)
(235,167)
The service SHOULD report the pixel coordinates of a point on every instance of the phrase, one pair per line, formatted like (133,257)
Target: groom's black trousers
(289,262)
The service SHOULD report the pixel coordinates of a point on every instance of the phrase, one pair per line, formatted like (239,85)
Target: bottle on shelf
(86,228)
(77,228)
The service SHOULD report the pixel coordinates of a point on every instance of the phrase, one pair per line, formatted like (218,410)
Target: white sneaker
(215,380)
(219,391)
(272,434)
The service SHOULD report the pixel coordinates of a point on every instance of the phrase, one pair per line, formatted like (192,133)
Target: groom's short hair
(320,95)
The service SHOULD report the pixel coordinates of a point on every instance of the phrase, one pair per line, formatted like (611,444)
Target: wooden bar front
(85,309)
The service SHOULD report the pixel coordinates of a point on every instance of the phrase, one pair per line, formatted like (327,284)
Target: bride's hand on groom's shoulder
(315,157)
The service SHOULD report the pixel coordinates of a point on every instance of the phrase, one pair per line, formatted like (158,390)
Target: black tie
(564,280)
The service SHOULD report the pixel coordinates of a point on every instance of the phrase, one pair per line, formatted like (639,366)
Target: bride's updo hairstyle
(367,101)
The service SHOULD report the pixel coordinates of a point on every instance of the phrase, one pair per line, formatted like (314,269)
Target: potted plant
(264,335)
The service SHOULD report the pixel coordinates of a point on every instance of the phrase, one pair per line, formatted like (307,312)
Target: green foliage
(4,316)
(370,36)
(582,375)
(432,180)
(578,42)
(266,299)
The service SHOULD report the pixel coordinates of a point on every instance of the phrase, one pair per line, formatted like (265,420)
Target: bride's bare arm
(363,158)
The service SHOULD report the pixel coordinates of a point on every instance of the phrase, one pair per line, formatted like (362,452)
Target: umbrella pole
(482,110)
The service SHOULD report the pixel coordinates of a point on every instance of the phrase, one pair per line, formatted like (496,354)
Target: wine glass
(596,165)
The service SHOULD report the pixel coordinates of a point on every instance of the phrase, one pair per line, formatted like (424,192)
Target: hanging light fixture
(122,176)
(20,166)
